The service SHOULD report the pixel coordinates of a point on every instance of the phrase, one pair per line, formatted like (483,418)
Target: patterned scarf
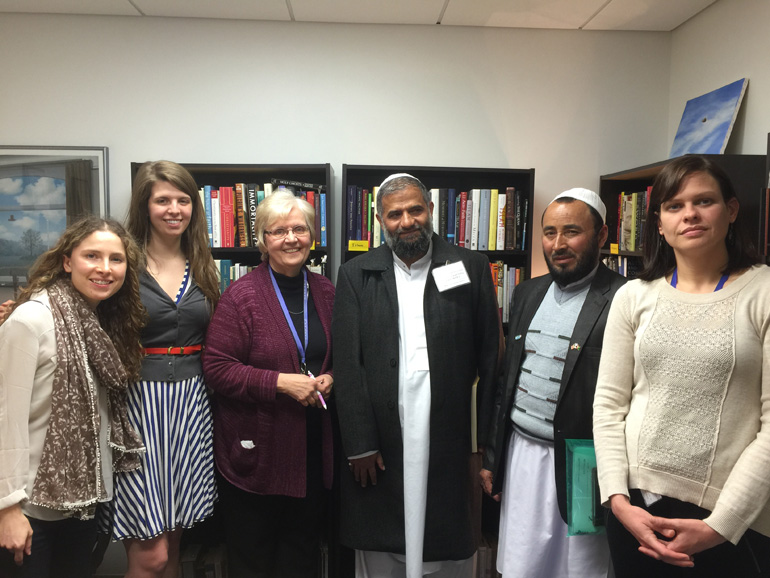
(70,477)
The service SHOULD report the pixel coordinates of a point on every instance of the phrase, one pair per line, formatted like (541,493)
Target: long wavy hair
(195,239)
(659,258)
(122,316)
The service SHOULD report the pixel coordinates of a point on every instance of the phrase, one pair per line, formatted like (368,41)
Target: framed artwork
(708,120)
(42,190)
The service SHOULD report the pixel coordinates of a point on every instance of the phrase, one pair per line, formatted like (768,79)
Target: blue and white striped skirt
(175,487)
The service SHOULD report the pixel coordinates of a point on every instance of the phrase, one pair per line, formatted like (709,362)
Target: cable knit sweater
(682,404)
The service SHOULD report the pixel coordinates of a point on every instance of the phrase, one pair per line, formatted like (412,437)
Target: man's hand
(365,469)
(15,533)
(643,526)
(486,484)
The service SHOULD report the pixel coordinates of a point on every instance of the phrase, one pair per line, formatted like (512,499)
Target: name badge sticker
(450,276)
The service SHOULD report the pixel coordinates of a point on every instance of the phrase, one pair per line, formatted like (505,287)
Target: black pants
(749,558)
(60,549)
(272,536)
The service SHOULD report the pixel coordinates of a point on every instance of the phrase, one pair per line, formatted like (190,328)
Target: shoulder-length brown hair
(659,258)
(122,316)
(195,240)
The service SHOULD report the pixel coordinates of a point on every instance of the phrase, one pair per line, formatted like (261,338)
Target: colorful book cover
(462,217)
(216,220)
(451,218)
(323,219)
(492,237)
(483,243)
(207,208)
(500,241)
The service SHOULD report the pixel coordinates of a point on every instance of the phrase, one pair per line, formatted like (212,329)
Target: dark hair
(122,316)
(195,241)
(659,258)
(597,218)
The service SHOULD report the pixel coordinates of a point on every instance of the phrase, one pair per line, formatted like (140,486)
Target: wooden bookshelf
(459,179)
(220,175)
(748,174)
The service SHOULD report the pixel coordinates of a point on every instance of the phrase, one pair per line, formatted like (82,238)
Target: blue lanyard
(722,281)
(300,346)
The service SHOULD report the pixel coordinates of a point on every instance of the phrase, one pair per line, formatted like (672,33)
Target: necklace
(296,312)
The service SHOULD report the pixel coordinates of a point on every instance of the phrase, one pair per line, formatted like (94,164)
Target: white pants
(533,537)
(387,565)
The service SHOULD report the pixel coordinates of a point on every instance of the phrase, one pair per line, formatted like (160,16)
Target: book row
(231,210)
(230,270)
(627,266)
(632,210)
(505,279)
(481,219)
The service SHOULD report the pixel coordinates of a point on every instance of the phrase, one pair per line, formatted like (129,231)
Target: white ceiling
(655,15)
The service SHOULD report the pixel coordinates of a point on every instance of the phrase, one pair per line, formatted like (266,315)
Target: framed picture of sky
(42,190)
(708,120)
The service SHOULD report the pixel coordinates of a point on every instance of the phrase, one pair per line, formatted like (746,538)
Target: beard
(407,250)
(584,264)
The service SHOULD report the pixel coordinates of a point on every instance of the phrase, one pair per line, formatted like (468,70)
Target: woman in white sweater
(682,404)
(67,351)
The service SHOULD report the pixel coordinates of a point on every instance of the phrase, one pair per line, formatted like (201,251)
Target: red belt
(184,350)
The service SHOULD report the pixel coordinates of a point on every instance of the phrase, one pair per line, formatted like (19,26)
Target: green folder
(584,511)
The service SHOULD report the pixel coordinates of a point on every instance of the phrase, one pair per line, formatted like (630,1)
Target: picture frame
(42,190)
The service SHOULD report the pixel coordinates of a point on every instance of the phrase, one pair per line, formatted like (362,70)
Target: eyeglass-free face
(288,252)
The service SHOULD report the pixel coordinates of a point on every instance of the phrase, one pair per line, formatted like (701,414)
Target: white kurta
(414,398)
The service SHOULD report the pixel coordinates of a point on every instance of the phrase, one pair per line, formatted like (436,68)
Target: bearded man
(546,395)
(415,321)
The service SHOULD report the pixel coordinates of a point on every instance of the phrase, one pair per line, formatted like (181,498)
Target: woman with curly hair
(175,488)
(70,347)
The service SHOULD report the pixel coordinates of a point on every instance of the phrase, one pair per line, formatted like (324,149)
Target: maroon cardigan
(248,344)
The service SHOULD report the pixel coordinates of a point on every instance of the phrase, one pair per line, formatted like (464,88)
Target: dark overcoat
(463,332)
(574,409)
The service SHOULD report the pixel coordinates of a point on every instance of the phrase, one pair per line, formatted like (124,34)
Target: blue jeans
(60,549)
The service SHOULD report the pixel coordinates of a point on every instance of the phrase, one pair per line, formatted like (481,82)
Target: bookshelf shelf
(227,175)
(747,173)
(458,178)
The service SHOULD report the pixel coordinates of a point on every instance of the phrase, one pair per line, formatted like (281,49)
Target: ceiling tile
(90,7)
(368,11)
(660,15)
(228,9)
(570,14)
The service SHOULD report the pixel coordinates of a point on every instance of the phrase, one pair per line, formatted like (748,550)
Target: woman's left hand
(691,536)
(325,384)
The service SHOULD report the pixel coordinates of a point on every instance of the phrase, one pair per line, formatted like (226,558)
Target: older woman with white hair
(268,360)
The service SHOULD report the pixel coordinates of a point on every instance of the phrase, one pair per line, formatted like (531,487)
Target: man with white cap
(415,321)
(546,396)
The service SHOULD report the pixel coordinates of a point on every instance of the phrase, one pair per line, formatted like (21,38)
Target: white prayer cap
(397,176)
(588,197)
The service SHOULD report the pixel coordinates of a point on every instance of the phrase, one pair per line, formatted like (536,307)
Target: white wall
(571,104)
(726,42)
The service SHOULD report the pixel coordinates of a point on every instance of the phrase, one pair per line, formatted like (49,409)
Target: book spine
(518,219)
(207,209)
(297,185)
(462,218)
(500,241)
(483,243)
(451,232)
(469,224)
(376,229)
(443,214)
(365,205)
(240,214)
(359,212)
(216,221)
(350,229)
(227,213)
(434,216)
(476,198)
(251,205)
(492,237)
(510,219)
(322,212)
